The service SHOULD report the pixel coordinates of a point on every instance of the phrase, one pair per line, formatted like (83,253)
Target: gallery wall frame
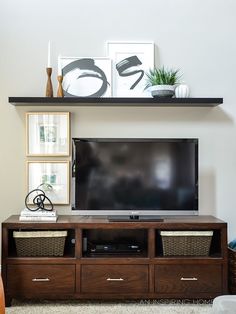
(86,76)
(50,176)
(130,62)
(48,134)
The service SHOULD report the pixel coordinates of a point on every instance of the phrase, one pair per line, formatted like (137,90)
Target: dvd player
(114,248)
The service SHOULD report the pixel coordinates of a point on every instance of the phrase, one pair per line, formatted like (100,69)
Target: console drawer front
(114,279)
(188,279)
(40,280)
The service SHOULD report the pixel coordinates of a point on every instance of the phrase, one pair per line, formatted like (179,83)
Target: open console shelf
(115,243)
(214,246)
(69,249)
(105,260)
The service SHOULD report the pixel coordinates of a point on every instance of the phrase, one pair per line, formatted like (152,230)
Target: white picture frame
(48,133)
(52,177)
(86,77)
(131,60)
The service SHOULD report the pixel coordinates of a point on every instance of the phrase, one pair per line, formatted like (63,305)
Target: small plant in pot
(162,82)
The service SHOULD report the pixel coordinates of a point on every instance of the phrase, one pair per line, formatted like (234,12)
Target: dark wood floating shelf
(116,101)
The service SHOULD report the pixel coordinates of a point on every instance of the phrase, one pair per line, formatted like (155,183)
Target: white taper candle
(49,54)
(59,65)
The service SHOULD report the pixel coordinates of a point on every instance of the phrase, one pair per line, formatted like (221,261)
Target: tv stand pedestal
(134,218)
(144,273)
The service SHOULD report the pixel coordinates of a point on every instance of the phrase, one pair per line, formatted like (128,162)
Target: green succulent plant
(162,76)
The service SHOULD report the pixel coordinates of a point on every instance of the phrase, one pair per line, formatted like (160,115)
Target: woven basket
(232,270)
(188,243)
(40,243)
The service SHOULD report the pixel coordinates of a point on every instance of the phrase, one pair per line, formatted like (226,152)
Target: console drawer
(40,280)
(188,279)
(114,279)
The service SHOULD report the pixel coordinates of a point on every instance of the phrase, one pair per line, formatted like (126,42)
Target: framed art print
(50,176)
(131,60)
(86,77)
(48,133)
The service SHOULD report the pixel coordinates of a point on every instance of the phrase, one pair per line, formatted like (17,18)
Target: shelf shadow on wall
(153,114)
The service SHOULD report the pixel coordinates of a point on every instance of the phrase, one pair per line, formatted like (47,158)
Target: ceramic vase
(182,91)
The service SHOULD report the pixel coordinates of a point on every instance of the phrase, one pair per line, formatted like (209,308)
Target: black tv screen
(145,175)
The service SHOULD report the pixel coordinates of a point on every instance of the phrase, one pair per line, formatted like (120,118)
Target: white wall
(196,36)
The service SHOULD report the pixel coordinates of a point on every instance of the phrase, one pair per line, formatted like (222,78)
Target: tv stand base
(134,218)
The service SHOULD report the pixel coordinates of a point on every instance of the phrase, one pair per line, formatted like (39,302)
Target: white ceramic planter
(162,90)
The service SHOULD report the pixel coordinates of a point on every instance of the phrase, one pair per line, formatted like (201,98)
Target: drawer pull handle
(40,279)
(115,279)
(189,279)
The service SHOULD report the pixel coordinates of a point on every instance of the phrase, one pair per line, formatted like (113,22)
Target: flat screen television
(135,177)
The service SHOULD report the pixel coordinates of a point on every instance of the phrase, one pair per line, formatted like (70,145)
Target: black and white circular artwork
(86,77)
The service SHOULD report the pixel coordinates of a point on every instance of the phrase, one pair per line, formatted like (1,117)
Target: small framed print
(48,133)
(86,77)
(131,60)
(50,176)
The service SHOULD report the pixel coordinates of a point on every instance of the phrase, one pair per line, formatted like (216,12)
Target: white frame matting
(48,133)
(52,177)
(131,60)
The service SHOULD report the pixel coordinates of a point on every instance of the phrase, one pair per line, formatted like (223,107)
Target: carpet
(126,307)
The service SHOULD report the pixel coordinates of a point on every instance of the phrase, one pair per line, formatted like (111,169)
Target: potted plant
(162,82)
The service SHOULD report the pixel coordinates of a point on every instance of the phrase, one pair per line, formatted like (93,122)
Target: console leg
(8,301)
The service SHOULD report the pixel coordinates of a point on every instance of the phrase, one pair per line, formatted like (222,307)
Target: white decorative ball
(182,91)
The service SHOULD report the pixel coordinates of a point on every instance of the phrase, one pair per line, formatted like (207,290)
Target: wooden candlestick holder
(60,89)
(49,89)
